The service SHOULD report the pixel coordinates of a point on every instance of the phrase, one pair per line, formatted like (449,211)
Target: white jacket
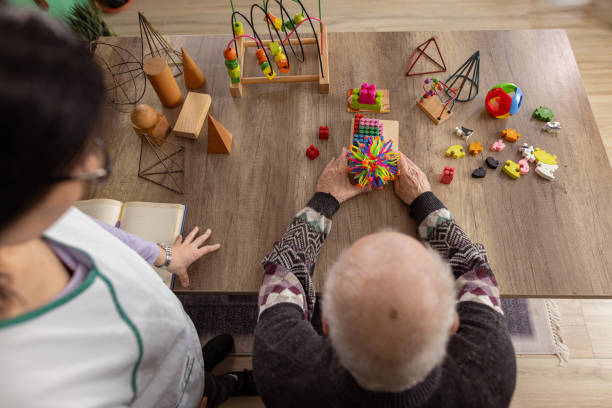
(121,339)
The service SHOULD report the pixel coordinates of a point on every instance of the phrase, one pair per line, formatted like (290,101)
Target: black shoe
(216,350)
(245,385)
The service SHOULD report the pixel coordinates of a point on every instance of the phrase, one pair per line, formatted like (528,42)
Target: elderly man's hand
(412,182)
(335,181)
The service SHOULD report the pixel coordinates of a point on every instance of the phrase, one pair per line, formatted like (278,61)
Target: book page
(156,222)
(103,209)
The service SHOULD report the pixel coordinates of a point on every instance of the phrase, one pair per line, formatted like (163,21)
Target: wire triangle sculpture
(469,71)
(158,46)
(421,52)
(164,171)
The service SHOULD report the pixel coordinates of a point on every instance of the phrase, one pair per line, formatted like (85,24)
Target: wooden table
(543,238)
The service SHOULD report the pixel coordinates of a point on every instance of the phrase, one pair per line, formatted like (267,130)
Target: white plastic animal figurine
(463,132)
(552,127)
(527,152)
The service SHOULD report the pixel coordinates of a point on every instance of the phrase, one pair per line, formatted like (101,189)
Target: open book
(156,222)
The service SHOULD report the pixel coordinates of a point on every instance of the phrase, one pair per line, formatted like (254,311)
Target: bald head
(389,304)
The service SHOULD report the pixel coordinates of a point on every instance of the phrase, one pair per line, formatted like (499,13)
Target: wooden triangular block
(219,138)
(194,77)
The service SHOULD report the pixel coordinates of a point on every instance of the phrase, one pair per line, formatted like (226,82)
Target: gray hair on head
(389,303)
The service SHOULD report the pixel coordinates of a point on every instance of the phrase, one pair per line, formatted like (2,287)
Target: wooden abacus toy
(234,57)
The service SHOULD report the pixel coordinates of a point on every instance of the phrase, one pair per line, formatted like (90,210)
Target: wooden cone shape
(194,77)
(219,138)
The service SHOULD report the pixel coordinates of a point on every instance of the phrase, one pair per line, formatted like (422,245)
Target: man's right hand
(412,182)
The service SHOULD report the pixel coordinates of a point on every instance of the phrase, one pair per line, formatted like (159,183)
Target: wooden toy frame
(322,77)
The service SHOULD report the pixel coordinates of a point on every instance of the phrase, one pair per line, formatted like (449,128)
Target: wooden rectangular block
(193,114)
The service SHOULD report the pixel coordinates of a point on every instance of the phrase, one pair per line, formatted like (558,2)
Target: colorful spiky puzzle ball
(372,163)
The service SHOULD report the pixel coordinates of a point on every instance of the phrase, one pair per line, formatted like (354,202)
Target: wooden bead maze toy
(284,28)
(433,103)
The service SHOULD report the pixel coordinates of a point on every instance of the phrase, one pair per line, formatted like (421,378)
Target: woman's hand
(187,251)
(412,182)
(335,181)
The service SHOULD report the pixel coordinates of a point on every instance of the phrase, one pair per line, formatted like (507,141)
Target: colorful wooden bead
(238,29)
(261,56)
(274,48)
(284,66)
(229,54)
(275,21)
(233,64)
(267,70)
(298,18)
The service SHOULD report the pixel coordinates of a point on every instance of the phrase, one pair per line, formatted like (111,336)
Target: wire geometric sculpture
(163,170)
(158,45)
(468,71)
(123,75)
(421,51)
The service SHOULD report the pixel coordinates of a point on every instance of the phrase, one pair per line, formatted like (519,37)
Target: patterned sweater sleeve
(289,267)
(475,280)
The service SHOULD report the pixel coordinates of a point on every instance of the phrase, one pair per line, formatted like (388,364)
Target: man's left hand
(335,181)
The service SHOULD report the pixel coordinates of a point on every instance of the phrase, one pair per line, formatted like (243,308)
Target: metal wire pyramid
(469,71)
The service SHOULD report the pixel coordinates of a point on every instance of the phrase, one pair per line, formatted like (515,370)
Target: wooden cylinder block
(163,82)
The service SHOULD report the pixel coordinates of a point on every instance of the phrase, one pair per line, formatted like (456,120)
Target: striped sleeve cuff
(280,285)
(479,286)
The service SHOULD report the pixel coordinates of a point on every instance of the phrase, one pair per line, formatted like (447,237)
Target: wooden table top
(543,238)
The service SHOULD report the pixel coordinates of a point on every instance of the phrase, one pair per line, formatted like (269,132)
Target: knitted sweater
(294,366)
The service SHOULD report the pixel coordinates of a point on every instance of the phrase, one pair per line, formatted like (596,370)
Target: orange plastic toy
(475,148)
(511,135)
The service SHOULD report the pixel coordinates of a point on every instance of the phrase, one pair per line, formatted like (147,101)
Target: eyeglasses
(97,176)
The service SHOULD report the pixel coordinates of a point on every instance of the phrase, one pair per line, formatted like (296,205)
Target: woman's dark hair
(51,91)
